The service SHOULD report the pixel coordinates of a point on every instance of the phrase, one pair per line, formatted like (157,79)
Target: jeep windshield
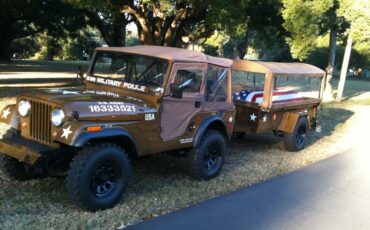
(130,68)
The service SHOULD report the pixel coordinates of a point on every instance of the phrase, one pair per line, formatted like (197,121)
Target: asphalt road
(331,194)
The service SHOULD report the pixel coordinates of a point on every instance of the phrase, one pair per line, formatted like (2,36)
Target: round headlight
(57,117)
(24,108)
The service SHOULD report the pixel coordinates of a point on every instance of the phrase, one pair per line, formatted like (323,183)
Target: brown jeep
(144,100)
(135,101)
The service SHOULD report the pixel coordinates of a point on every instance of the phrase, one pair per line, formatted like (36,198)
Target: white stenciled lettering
(90,78)
(149,117)
(186,140)
(111,108)
(108,82)
(134,87)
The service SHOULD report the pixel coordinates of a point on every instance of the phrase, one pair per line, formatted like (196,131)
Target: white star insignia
(5,113)
(264,119)
(253,117)
(66,132)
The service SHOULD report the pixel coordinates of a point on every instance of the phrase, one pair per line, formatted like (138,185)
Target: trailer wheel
(206,160)
(18,170)
(296,141)
(98,176)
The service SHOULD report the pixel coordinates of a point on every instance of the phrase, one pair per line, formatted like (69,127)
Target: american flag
(277,97)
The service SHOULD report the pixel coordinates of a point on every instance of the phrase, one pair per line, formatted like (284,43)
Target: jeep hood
(90,104)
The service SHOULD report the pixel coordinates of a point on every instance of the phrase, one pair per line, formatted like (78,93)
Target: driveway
(331,194)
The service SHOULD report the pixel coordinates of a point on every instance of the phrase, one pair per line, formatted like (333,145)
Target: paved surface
(332,194)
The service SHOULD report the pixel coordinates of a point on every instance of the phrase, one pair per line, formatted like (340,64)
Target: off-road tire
(106,164)
(295,141)
(197,160)
(18,170)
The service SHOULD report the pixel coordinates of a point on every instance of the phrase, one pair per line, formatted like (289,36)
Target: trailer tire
(295,141)
(98,176)
(205,161)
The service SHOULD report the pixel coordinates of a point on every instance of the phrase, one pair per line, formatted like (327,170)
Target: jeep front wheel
(98,176)
(206,160)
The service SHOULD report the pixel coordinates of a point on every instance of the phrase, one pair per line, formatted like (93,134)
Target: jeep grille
(40,125)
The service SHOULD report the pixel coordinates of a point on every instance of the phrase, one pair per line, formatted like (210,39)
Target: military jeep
(135,101)
(143,100)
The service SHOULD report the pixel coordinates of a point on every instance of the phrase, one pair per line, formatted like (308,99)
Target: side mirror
(175,90)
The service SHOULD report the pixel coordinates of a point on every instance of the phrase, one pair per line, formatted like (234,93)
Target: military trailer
(278,97)
(138,101)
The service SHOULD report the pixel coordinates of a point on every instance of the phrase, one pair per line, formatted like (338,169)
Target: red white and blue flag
(277,97)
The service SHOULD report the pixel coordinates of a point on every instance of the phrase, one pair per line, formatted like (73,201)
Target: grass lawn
(159,184)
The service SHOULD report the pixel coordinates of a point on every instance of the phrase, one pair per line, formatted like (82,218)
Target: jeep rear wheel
(98,176)
(296,141)
(18,170)
(206,160)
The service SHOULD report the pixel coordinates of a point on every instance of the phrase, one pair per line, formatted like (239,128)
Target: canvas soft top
(275,68)
(172,54)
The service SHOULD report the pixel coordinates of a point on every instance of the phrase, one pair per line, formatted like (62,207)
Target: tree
(306,21)
(166,22)
(358,15)
(105,16)
(265,21)
(21,19)
(260,19)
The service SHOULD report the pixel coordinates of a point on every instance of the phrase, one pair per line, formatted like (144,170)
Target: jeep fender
(108,133)
(209,122)
(9,116)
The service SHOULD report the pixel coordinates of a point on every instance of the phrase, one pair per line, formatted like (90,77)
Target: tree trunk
(5,53)
(328,93)
(118,35)
(343,72)
(114,34)
(243,45)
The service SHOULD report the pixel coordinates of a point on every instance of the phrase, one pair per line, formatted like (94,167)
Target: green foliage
(261,18)
(20,19)
(359,59)
(304,20)
(106,17)
(132,41)
(80,47)
(357,13)
(210,50)
(24,48)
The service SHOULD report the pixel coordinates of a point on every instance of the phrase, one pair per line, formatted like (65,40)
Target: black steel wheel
(206,160)
(296,141)
(98,176)
(105,179)
(212,157)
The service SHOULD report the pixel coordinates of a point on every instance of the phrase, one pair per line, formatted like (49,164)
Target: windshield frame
(166,73)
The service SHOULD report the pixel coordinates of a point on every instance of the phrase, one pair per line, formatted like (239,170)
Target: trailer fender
(290,120)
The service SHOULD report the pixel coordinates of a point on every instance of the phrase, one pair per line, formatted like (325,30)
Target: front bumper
(23,149)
